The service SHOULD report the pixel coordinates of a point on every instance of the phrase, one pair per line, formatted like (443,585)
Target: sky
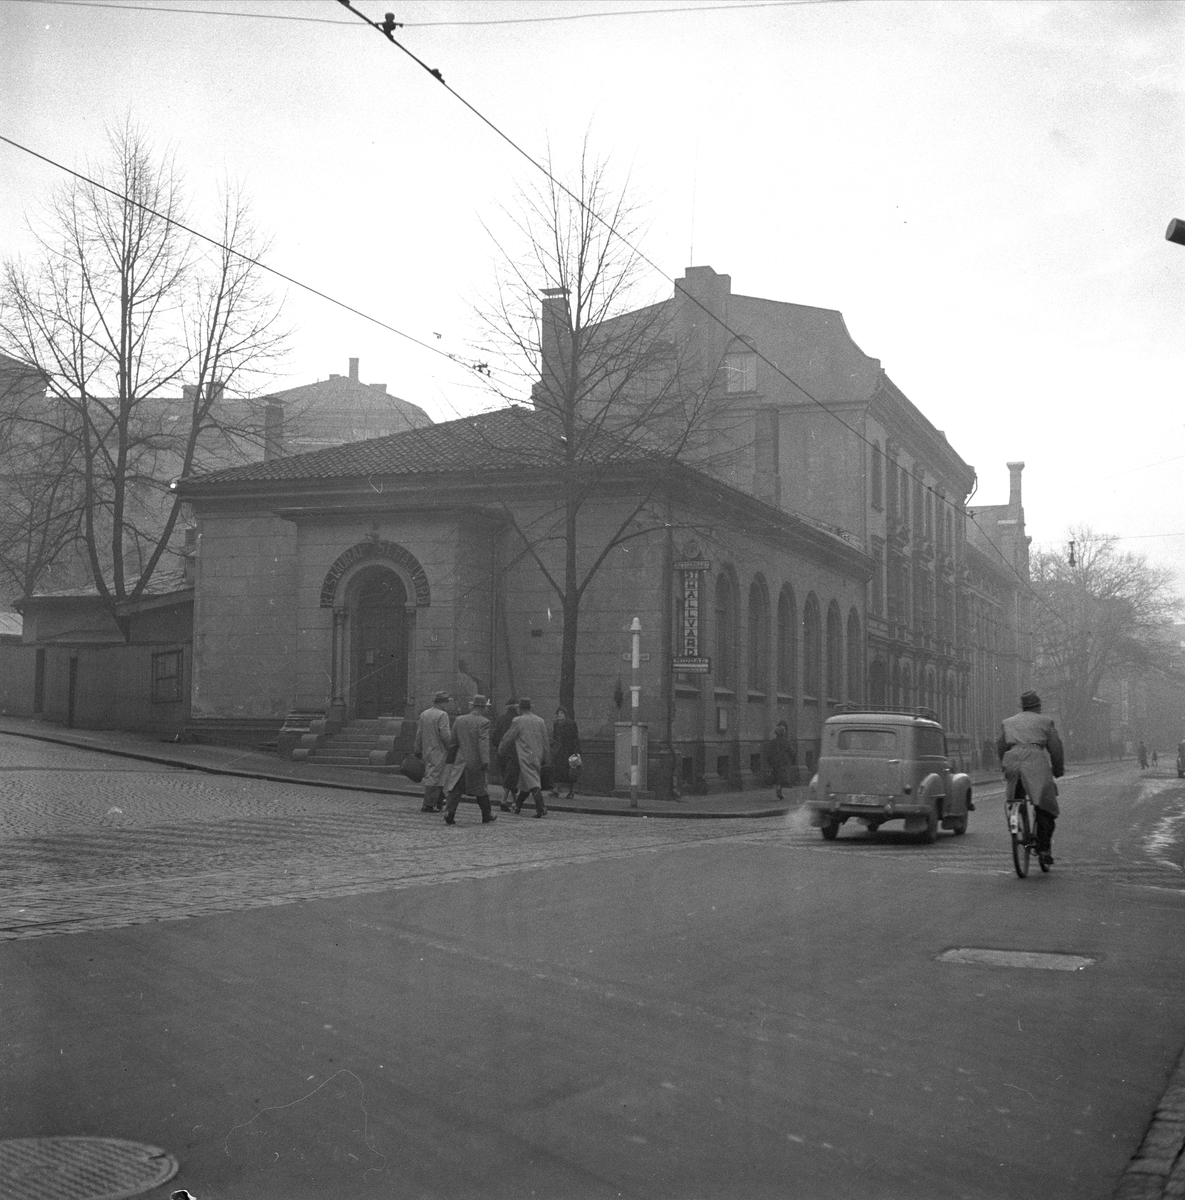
(982,189)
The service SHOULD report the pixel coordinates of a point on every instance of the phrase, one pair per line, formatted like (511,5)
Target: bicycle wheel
(1022,840)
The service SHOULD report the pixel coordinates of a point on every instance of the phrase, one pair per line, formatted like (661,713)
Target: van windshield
(867,741)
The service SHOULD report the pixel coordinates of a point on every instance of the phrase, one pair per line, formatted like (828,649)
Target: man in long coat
(1032,755)
(432,740)
(471,739)
(528,735)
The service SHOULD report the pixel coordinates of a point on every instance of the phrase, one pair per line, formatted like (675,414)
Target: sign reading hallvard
(689,660)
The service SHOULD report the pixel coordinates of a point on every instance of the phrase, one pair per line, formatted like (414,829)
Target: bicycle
(1022,832)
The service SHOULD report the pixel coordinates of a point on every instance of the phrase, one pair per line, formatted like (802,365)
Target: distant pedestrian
(1142,752)
(1155,758)
(565,743)
(508,758)
(782,757)
(471,740)
(431,744)
(528,735)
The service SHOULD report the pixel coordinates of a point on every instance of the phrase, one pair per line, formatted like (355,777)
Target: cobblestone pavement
(95,842)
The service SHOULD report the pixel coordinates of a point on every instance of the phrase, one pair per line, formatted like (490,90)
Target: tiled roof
(507,439)
(164,582)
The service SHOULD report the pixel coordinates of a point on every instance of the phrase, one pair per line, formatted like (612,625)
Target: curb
(1157,1169)
(182,764)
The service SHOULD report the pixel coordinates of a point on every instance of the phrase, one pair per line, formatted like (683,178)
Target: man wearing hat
(471,739)
(1032,756)
(432,740)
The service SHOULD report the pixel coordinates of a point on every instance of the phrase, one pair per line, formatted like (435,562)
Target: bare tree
(1105,614)
(611,384)
(40,507)
(120,313)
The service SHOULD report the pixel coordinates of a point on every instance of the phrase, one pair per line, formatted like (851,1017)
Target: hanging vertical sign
(689,659)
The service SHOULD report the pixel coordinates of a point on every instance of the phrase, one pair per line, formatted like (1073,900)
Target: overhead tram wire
(387,28)
(479,368)
(580,16)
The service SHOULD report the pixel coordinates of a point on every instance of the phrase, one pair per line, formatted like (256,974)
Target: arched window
(855,658)
(726,633)
(877,476)
(787,642)
(906,686)
(758,636)
(812,648)
(834,653)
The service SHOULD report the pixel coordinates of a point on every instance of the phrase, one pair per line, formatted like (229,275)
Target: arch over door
(380,626)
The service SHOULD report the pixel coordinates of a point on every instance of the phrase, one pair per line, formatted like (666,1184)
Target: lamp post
(635,690)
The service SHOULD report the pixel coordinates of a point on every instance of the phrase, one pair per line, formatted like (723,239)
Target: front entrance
(380,645)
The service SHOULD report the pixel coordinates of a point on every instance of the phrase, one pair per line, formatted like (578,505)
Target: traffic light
(1176,231)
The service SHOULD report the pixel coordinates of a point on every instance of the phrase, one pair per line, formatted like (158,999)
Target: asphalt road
(304,993)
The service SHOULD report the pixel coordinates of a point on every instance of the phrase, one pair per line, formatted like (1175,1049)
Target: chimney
(214,391)
(273,430)
(354,369)
(701,295)
(554,325)
(1014,470)
(189,393)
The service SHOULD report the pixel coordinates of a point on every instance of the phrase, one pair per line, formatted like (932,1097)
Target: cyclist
(1032,756)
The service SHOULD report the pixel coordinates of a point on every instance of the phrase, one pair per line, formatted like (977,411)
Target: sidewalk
(254,764)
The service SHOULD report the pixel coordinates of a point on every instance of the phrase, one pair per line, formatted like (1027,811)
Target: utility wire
(479,368)
(580,16)
(387,28)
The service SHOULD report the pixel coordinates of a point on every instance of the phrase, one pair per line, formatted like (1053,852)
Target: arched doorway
(379,623)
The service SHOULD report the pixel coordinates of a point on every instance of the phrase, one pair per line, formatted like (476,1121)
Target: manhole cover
(81,1168)
(1016,958)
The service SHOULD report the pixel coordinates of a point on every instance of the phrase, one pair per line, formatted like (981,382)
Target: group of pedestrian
(457,756)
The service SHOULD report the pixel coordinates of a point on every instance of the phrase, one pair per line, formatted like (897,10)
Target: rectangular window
(740,372)
(929,743)
(867,741)
(166,677)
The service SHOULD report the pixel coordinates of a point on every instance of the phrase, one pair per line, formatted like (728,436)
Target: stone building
(997,615)
(354,582)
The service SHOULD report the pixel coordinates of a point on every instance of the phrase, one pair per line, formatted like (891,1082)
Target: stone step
(344,751)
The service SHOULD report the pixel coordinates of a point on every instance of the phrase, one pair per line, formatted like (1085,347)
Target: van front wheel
(830,830)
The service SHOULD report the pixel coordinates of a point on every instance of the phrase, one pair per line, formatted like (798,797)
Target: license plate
(858,798)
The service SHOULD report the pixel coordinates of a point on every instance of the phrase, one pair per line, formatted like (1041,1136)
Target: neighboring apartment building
(829,436)
(315,416)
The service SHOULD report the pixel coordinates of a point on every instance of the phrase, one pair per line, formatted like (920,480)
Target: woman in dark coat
(782,757)
(565,741)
